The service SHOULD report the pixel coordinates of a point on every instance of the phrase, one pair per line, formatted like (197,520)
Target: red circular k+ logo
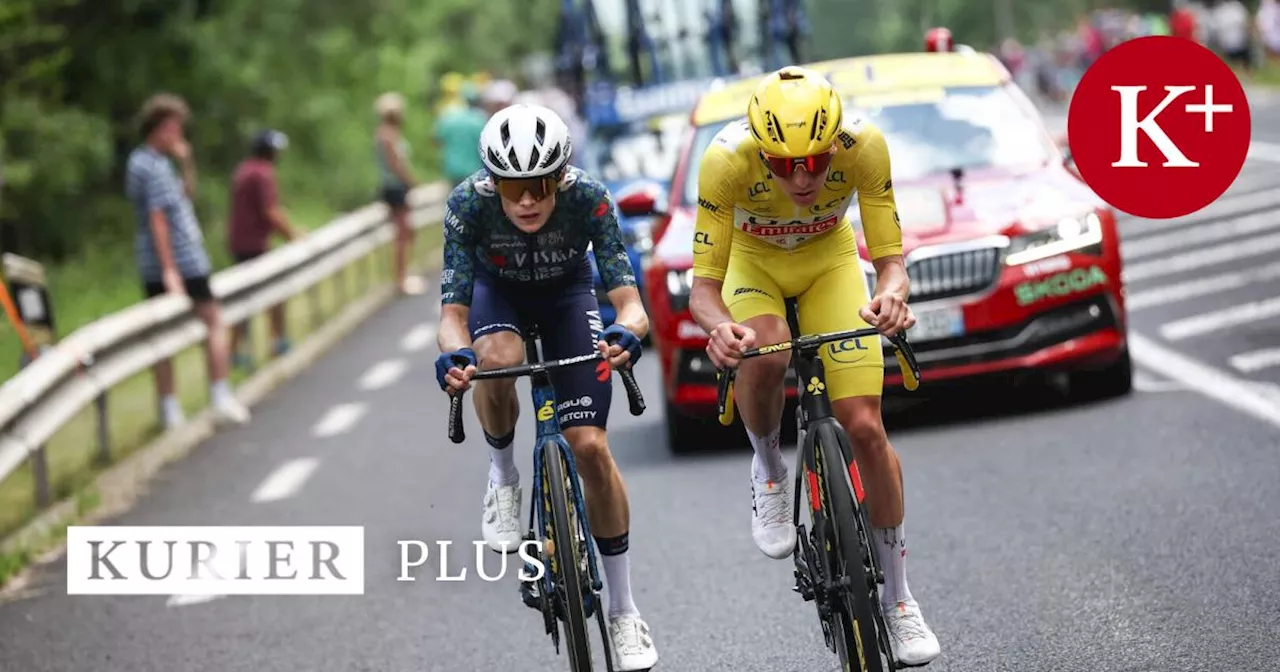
(1159,127)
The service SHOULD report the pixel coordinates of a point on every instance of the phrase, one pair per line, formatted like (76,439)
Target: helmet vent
(533,160)
(505,132)
(775,127)
(515,160)
(813,126)
(551,157)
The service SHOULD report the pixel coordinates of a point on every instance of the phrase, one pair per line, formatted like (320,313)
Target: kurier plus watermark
(262,560)
(210,560)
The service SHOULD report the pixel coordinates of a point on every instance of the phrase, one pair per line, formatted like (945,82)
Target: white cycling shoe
(633,648)
(913,643)
(500,523)
(772,523)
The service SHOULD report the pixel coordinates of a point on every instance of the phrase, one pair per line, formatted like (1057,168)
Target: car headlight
(639,237)
(1068,235)
(678,285)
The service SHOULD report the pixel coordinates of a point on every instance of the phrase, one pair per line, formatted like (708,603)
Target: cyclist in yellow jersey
(773,191)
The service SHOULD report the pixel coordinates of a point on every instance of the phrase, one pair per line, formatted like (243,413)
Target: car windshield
(933,132)
(643,150)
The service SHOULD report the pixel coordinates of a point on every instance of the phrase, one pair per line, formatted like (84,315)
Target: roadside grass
(1268,74)
(104,281)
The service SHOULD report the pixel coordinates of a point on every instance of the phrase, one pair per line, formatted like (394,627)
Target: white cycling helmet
(523,141)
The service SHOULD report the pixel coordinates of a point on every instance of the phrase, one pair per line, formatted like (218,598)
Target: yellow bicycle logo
(546,412)
(815,386)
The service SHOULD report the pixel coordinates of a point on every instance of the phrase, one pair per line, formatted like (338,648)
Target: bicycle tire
(568,560)
(861,643)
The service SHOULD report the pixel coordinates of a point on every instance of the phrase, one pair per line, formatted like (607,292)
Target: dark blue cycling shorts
(568,320)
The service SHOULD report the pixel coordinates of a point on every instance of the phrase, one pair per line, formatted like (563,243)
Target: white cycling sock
(891,554)
(768,465)
(502,460)
(617,576)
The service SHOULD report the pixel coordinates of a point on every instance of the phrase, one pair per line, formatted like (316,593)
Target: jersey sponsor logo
(583,401)
(602,209)
(603,372)
(836,177)
(446,276)
(773,228)
(847,140)
(595,323)
(451,221)
(552,256)
(549,238)
(577,415)
(751,290)
(708,205)
(759,189)
(1159,127)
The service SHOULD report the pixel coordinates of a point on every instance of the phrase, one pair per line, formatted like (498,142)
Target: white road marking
(339,419)
(1195,236)
(1248,362)
(1209,256)
(1264,151)
(286,480)
(383,373)
(187,600)
(1225,205)
(1233,316)
(1213,284)
(1207,380)
(418,338)
(1145,382)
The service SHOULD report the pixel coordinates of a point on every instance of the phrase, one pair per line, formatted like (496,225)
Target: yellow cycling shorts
(827,280)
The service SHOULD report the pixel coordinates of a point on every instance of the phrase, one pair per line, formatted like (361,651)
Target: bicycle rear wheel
(852,614)
(567,554)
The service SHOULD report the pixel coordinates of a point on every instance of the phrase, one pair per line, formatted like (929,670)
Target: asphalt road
(1133,535)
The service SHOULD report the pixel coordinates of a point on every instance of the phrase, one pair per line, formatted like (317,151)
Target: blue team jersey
(478,233)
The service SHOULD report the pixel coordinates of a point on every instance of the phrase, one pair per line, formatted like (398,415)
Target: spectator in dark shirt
(255,215)
(169,247)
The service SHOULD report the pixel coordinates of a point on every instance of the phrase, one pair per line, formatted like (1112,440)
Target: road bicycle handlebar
(808,346)
(456,433)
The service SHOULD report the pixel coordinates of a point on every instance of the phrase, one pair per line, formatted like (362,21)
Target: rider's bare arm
(713,235)
(631,313)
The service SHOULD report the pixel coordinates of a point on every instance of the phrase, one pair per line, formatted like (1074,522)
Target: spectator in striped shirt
(169,247)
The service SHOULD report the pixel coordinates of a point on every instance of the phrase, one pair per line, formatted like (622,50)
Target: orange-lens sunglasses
(538,187)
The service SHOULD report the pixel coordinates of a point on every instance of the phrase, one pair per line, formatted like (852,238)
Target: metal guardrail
(83,367)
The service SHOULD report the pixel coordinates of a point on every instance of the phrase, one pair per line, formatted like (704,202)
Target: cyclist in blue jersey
(517,234)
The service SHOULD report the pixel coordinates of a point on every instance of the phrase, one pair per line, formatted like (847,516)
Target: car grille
(953,273)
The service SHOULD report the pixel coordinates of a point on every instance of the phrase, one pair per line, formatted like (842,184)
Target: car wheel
(1114,381)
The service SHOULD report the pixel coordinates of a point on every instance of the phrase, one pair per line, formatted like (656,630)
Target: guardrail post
(104,431)
(40,474)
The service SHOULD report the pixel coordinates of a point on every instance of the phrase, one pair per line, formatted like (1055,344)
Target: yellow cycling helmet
(795,113)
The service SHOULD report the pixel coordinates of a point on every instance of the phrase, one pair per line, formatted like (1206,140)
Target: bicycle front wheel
(853,622)
(567,553)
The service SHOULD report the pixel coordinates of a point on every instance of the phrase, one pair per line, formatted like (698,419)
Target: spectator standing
(1268,24)
(169,247)
(458,136)
(1231,31)
(498,94)
(255,215)
(395,180)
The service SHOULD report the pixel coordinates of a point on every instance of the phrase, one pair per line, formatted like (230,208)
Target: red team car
(1014,262)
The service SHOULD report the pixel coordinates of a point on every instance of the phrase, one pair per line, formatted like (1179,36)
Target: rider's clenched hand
(451,377)
(888,313)
(728,341)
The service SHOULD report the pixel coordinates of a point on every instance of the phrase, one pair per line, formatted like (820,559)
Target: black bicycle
(569,590)
(844,578)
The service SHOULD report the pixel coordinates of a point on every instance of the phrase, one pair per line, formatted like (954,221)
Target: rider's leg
(755,300)
(855,379)
(496,344)
(571,326)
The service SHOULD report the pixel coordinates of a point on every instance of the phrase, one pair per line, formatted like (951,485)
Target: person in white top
(1231,30)
(1268,23)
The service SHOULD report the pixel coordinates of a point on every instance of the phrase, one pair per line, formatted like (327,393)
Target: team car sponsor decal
(1062,284)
